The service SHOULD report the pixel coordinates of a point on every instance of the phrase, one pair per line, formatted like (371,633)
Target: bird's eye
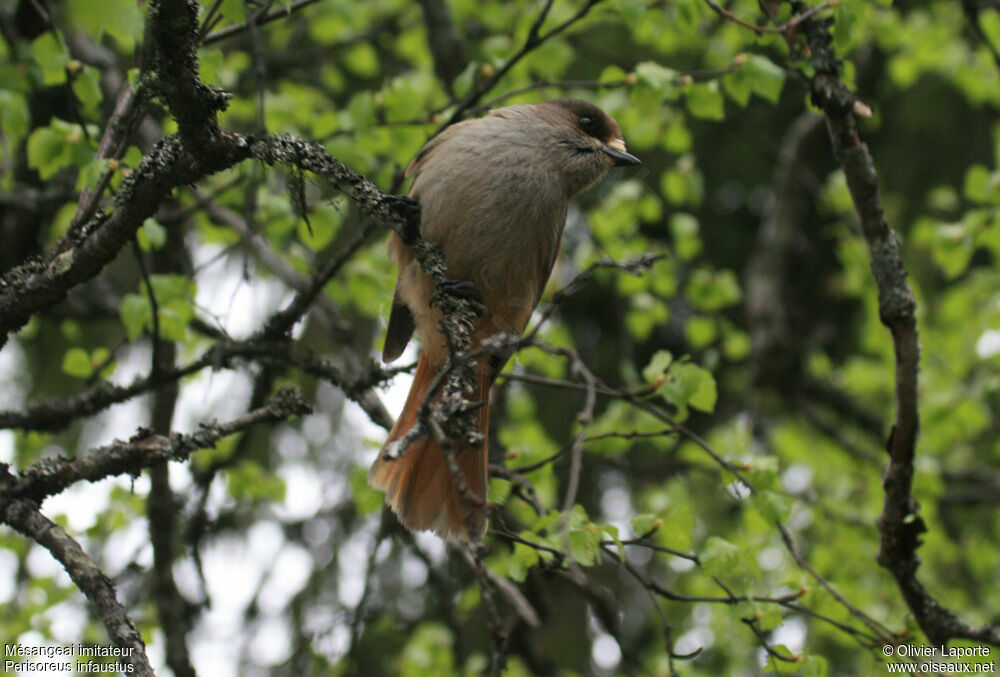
(587,123)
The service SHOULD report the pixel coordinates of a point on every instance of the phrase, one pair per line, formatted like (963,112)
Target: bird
(494,194)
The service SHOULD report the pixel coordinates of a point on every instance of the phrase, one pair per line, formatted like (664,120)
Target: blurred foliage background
(758,330)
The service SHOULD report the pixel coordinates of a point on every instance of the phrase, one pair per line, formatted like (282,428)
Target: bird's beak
(615,148)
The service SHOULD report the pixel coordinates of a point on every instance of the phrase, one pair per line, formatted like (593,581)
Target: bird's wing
(417,163)
(399,331)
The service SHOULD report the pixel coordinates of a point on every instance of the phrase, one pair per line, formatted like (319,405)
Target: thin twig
(784,29)
(535,39)
(258,19)
(52,475)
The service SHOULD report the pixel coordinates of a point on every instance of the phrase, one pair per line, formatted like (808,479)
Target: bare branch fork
(505,344)
(52,475)
(899,525)
(56,414)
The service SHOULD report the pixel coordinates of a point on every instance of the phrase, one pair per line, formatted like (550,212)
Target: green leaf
(719,556)
(689,14)
(71,330)
(773,506)
(677,138)
(632,11)
(657,77)
(170,287)
(765,77)
(769,617)
(87,88)
(705,101)
(362,60)
(45,151)
(763,472)
(786,667)
(174,317)
(735,344)
(814,666)
(688,384)
(643,524)
(366,499)
(584,545)
(51,56)
(58,145)
(523,559)
(499,490)
(738,87)
(655,372)
(747,610)
(14,114)
(705,394)
(701,331)
(428,651)
(844,28)
(90,173)
(463,83)
(151,235)
(135,314)
(710,290)
(982,185)
(122,19)
(234,11)
(683,183)
(210,66)
(612,531)
(684,229)
(249,480)
(952,244)
(612,74)
(76,362)
(678,527)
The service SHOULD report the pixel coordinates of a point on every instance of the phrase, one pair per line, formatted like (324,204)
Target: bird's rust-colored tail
(418,485)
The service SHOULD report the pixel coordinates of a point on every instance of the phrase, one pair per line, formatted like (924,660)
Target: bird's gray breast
(497,215)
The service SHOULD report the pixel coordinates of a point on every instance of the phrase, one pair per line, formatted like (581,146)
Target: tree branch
(173,30)
(55,414)
(53,475)
(83,253)
(899,524)
(23,515)
(259,19)
(446,45)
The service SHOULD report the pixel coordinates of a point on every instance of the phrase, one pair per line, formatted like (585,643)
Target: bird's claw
(463,289)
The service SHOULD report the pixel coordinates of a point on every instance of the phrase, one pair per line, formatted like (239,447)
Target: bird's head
(588,142)
(594,130)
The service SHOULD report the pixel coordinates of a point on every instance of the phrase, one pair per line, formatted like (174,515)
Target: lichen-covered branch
(84,252)
(899,525)
(173,31)
(53,475)
(55,414)
(23,515)
(400,213)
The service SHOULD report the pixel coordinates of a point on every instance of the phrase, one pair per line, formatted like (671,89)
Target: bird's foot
(464,289)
